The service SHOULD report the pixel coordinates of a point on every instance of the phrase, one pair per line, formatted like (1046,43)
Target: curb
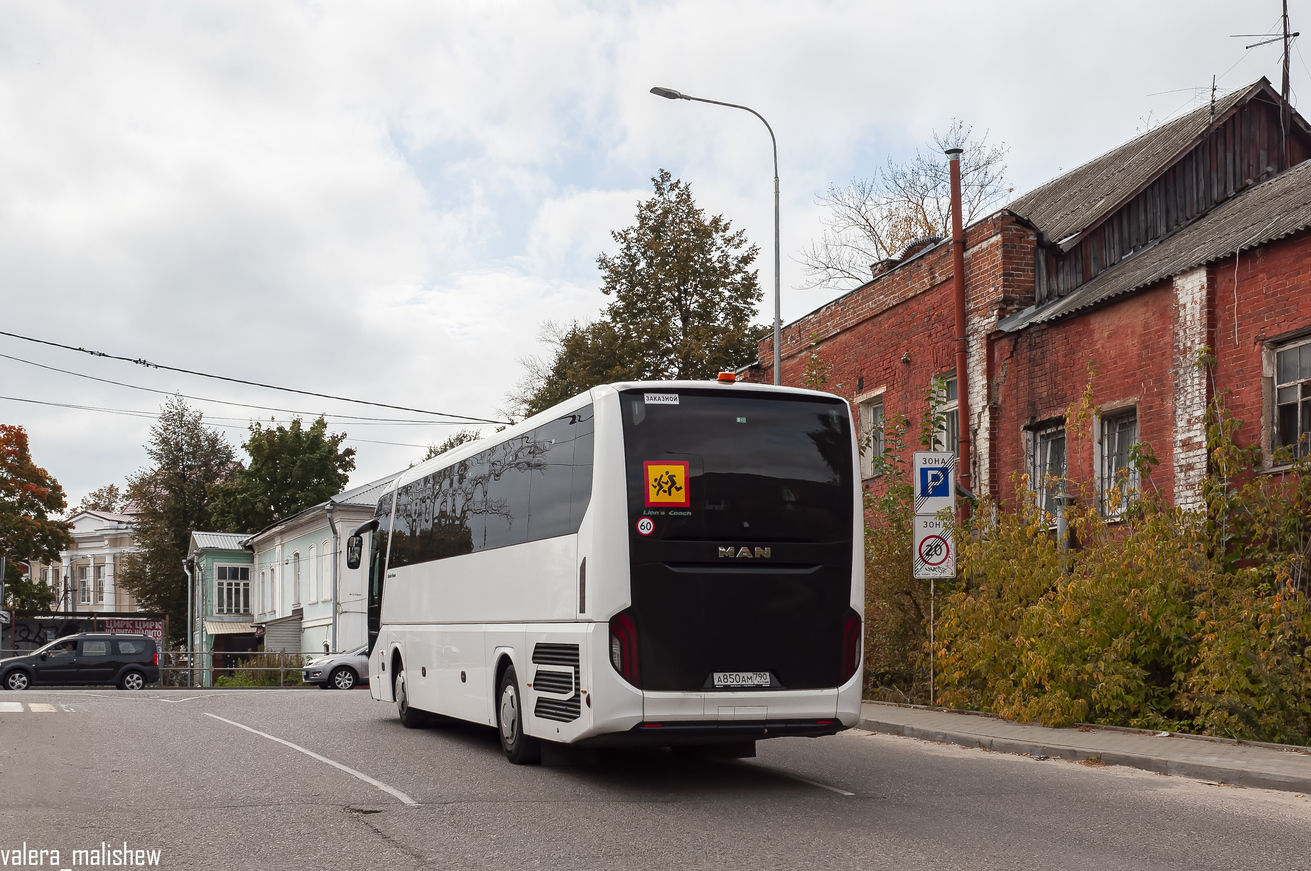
(1159,764)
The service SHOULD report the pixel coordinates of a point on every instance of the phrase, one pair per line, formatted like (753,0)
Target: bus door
(376,556)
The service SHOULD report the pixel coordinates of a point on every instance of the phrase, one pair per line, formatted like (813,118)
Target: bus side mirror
(354,549)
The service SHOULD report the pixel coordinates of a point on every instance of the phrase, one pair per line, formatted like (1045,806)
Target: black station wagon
(127,661)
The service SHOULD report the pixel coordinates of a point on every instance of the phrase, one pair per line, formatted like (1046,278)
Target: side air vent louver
(553,681)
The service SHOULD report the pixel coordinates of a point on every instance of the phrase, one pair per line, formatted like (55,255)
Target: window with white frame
(264,592)
(100,585)
(327,570)
(871,434)
(295,578)
(1292,433)
(1119,479)
(84,584)
(232,590)
(946,436)
(315,577)
(1047,466)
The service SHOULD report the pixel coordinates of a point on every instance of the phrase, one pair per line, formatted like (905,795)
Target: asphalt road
(159,770)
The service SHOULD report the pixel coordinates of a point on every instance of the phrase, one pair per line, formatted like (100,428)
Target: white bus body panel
(478,608)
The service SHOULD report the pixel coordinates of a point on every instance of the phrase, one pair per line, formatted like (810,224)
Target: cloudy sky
(385,200)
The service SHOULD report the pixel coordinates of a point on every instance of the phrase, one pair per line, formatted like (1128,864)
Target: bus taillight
(850,646)
(623,647)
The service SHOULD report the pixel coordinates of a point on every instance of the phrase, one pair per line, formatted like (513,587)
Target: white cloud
(385,200)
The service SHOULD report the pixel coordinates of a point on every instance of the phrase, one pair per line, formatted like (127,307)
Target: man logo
(744,553)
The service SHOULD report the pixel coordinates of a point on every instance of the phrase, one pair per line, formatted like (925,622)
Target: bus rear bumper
(683,733)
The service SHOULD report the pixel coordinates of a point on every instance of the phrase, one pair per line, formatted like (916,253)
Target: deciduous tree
(172,496)
(875,218)
(291,468)
(30,500)
(108,498)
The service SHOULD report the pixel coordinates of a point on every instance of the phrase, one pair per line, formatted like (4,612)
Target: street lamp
(671,94)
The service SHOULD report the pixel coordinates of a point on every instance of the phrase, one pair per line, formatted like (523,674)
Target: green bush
(1190,620)
(264,670)
(1162,618)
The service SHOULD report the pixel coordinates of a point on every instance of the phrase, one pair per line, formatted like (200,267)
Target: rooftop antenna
(1285,110)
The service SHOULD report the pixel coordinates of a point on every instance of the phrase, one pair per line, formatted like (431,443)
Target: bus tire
(519,748)
(411,718)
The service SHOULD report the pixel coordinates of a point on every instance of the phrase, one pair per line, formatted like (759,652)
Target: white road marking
(812,782)
(11,707)
(390,790)
(40,708)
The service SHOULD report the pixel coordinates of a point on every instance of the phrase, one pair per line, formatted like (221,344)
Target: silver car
(340,671)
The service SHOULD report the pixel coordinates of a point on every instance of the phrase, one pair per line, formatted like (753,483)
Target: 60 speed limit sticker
(935,550)
(645,526)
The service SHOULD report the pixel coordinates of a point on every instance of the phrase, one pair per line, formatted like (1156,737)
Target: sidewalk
(1245,764)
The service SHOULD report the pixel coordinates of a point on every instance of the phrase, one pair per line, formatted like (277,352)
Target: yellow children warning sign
(666,484)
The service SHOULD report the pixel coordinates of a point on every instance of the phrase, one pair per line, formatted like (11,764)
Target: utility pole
(1284,110)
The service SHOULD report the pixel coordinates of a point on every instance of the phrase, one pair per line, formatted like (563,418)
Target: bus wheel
(519,748)
(410,717)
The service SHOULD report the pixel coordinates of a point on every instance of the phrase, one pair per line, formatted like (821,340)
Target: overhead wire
(149,365)
(330,416)
(150,415)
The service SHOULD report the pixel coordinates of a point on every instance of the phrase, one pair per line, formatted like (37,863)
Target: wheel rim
(509,714)
(402,704)
(133,681)
(343,679)
(18,681)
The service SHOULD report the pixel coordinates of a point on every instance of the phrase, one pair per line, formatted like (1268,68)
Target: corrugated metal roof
(1074,201)
(365,494)
(216,541)
(1271,210)
(215,628)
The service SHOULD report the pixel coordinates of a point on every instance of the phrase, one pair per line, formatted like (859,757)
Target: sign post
(935,546)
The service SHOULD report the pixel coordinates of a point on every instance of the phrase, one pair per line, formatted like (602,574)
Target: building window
(232,593)
(1047,466)
(100,585)
(84,584)
(871,435)
(264,592)
(295,578)
(1293,400)
(1119,477)
(947,434)
(327,570)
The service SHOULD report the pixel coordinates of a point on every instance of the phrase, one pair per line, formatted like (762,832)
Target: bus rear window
(703,465)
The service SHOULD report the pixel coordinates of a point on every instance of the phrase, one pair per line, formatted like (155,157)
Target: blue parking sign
(934,478)
(934,482)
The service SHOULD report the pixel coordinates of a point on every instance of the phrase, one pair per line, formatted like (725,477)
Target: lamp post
(671,94)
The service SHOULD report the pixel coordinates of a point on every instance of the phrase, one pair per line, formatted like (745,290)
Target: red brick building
(1196,234)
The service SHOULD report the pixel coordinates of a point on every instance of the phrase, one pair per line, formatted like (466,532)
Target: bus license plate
(741,678)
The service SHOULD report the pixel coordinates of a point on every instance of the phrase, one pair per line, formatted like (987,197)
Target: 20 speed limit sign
(935,552)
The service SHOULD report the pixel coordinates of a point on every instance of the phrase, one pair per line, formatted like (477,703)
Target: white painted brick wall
(1189,388)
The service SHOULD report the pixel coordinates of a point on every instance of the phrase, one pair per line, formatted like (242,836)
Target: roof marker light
(727,377)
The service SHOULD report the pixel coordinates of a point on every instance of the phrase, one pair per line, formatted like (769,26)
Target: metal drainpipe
(333,525)
(191,620)
(958,281)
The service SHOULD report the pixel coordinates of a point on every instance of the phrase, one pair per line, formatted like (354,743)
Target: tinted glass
(131,647)
(552,481)
(510,465)
(523,489)
(95,648)
(757,468)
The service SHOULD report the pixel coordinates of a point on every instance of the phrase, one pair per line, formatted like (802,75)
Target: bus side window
(581,493)
(551,480)
(507,492)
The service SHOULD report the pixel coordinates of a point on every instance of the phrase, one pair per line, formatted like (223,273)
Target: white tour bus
(668,564)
